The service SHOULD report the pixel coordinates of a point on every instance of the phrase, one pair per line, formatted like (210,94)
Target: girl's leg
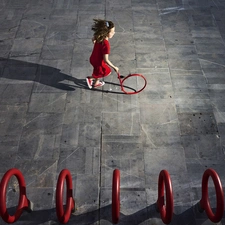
(98,83)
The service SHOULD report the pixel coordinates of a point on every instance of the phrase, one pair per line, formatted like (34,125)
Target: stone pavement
(50,120)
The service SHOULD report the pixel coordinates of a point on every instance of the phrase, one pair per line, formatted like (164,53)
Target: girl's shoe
(89,82)
(100,84)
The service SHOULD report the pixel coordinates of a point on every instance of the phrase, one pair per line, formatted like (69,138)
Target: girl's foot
(99,84)
(89,82)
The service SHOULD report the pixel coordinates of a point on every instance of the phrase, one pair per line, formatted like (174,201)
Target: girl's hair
(101,29)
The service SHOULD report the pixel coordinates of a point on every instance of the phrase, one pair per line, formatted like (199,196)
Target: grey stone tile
(191,93)
(205,21)
(145,3)
(189,81)
(130,177)
(172,26)
(41,173)
(122,19)
(149,34)
(23,93)
(86,186)
(211,49)
(197,167)
(214,75)
(65,4)
(125,124)
(89,134)
(158,113)
(143,47)
(129,150)
(60,25)
(47,102)
(181,186)
(59,37)
(182,64)
(184,52)
(31,29)
(55,52)
(38,12)
(202,146)
(30,46)
(5,47)
(19,72)
(12,121)
(171,159)
(177,38)
(193,105)
(79,160)
(68,14)
(161,136)
(215,61)
(9,158)
(205,32)
(15,5)
(39,146)
(155,59)
(154,93)
(175,14)
(145,16)
(167,4)
(218,105)
(197,123)
(53,80)
(216,91)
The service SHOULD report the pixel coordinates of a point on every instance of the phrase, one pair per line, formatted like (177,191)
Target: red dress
(101,69)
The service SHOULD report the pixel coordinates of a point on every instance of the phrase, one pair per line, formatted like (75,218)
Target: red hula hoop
(132,75)
(23,203)
(116,196)
(166,211)
(204,202)
(64,216)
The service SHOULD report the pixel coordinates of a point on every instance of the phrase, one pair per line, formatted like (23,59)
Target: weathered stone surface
(50,120)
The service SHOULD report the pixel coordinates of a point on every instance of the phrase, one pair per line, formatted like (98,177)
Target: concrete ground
(50,120)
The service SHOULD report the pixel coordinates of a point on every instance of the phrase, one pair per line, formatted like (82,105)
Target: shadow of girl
(41,74)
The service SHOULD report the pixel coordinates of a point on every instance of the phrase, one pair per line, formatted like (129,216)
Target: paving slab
(50,120)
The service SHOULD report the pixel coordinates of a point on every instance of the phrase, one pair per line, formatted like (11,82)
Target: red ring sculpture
(23,204)
(166,211)
(64,216)
(116,196)
(204,202)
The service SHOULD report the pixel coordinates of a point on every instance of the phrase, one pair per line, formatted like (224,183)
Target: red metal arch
(64,216)
(204,202)
(23,204)
(116,196)
(166,211)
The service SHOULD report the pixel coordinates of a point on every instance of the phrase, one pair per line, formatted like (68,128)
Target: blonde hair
(101,29)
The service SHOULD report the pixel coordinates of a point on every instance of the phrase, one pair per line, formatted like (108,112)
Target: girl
(103,30)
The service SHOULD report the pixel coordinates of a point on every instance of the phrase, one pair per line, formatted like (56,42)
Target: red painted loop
(116,196)
(166,211)
(23,203)
(204,202)
(127,77)
(64,216)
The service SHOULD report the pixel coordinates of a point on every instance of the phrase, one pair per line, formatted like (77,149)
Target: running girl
(99,59)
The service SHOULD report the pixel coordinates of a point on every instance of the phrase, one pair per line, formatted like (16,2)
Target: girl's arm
(93,40)
(106,59)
